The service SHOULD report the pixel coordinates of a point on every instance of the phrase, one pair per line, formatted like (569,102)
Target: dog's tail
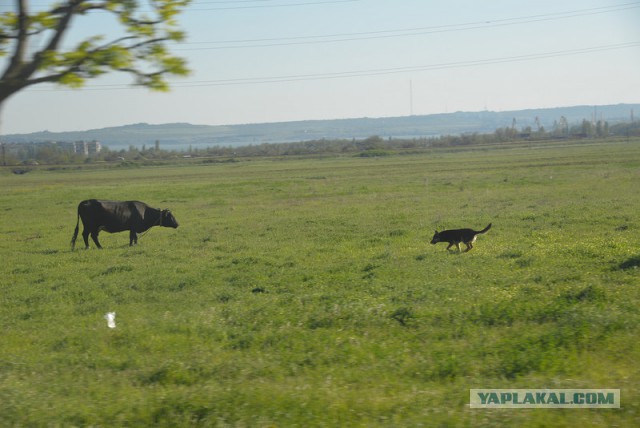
(485,229)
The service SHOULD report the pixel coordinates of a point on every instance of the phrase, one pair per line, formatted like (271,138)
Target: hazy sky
(282,60)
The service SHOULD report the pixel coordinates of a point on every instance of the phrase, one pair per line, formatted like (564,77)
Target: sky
(257,61)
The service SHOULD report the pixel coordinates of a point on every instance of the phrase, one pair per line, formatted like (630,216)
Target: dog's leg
(458,245)
(450,245)
(469,246)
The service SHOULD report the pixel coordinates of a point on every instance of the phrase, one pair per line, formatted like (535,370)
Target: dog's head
(436,238)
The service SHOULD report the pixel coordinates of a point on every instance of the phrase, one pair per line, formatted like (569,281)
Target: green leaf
(71,79)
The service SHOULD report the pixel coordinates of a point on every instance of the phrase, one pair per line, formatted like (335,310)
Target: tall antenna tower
(411,97)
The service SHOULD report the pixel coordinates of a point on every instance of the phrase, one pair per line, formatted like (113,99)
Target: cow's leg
(85,236)
(133,238)
(94,236)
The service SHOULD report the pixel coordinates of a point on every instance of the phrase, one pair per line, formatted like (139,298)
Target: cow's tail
(75,233)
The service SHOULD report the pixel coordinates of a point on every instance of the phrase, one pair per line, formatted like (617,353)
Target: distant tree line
(27,154)
(378,146)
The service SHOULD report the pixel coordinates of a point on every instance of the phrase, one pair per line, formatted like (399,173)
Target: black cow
(118,216)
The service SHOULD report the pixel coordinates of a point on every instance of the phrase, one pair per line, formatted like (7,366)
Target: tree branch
(21,39)
(143,44)
(63,25)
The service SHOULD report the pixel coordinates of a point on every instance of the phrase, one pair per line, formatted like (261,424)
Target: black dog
(456,236)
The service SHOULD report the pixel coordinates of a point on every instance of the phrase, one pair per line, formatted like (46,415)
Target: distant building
(85,148)
(32,150)
(94,147)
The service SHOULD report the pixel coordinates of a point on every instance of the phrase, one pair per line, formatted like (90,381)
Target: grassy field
(304,292)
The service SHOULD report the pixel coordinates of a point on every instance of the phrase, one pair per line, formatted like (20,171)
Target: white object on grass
(111,319)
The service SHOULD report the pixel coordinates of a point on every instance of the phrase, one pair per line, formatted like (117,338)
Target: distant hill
(181,135)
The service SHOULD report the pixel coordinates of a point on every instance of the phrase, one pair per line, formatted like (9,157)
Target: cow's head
(168,220)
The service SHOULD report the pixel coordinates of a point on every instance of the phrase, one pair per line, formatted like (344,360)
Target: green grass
(304,292)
